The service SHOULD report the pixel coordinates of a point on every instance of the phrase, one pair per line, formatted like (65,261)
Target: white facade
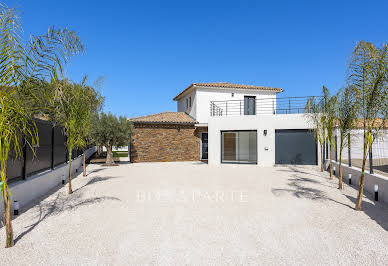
(188,104)
(265,144)
(201,97)
(243,109)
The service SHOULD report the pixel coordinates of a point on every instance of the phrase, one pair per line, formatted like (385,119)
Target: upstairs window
(188,102)
(249,105)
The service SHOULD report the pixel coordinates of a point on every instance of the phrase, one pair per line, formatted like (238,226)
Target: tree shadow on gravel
(95,171)
(376,211)
(96,179)
(63,202)
(295,170)
(300,190)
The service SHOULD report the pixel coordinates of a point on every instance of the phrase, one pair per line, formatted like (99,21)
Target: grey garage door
(295,147)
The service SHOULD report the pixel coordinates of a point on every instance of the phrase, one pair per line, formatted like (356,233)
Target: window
(239,146)
(190,101)
(249,105)
(204,148)
(187,103)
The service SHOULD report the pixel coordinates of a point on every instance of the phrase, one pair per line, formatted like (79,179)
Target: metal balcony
(273,106)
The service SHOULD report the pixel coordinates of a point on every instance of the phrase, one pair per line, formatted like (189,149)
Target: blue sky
(148,51)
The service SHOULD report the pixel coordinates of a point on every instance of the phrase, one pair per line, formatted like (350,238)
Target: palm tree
(345,118)
(330,111)
(72,109)
(20,64)
(15,129)
(368,75)
(314,113)
(322,116)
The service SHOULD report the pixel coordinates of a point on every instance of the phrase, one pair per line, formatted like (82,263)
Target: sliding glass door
(239,146)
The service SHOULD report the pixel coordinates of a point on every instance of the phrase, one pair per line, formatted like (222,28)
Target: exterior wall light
(350,179)
(265,132)
(376,192)
(232,94)
(15,207)
(63,179)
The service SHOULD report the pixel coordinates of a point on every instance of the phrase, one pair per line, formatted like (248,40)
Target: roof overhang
(163,123)
(184,92)
(193,86)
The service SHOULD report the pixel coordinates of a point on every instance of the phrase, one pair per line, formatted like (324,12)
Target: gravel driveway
(193,213)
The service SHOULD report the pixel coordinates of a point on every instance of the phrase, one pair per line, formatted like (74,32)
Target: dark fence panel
(76,153)
(50,152)
(59,147)
(42,158)
(14,167)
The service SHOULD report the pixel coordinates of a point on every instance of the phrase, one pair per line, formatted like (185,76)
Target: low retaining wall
(369,181)
(38,185)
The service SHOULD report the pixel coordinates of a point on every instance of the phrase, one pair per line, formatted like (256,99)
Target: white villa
(228,123)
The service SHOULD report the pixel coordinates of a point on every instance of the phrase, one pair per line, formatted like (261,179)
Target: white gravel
(192,213)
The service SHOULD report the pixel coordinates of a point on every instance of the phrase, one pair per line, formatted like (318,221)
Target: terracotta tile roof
(359,123)
(226,85)
(165,118)
(378,122)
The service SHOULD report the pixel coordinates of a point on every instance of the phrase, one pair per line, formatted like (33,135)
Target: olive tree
(368,76)
(20,63)
(109,131)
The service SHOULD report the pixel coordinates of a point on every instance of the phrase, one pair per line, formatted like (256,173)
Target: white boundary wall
(265,144)
(379,146)
(369,181)
(35,186)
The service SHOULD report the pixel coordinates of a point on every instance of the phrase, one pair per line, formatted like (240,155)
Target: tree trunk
(7,211)
(84,162)
(361,183)
(8,223)
(99,150)
(109,156)
(340,185)
(7,215)
(69,177)
(322,159)
(331,163)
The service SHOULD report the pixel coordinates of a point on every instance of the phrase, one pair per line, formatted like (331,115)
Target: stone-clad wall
(199,131)
(164,143)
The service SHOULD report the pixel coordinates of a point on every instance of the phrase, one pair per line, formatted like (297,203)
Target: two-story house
(227,123)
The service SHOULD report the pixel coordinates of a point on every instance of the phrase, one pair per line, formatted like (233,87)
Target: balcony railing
(249,106)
